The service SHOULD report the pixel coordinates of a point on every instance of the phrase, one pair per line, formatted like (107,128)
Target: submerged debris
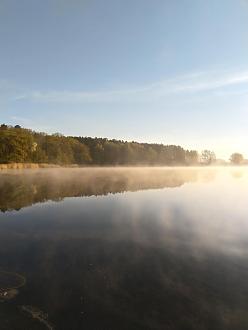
(38,315)
(10,282)
(8,294)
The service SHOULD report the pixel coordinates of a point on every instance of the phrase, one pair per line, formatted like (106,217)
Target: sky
(163,71)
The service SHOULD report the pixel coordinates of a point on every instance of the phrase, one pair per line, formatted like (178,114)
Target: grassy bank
(20,166)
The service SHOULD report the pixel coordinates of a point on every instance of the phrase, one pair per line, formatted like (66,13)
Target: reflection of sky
(210,214)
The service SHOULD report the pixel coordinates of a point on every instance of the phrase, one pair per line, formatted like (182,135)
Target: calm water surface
(107,249)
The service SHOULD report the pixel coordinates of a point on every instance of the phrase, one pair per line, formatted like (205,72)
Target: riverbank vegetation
(20,145)
(24,148)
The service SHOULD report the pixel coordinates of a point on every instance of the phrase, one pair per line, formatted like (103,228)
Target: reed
(20,166)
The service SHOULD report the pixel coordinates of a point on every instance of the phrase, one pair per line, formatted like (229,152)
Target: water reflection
(24,188)
(149,258)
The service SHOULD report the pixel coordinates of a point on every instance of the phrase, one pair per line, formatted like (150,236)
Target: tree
(208,157)
(18,144)
(15,146)
(3,126)
(81,152)
(191,157)
(236,158)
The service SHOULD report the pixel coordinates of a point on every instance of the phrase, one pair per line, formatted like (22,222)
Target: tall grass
(20,166)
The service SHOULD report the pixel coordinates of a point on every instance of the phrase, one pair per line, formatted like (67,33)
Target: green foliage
(113,152)
(22,145)
(15,146)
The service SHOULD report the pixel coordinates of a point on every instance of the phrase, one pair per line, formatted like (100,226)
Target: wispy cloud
(187,84)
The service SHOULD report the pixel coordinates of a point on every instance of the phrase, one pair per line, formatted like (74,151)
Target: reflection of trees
(18,190)
(237,174)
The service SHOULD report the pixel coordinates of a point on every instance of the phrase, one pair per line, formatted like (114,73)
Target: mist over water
(127,248)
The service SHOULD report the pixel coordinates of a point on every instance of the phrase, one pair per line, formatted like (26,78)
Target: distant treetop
(237,158)
(18,144)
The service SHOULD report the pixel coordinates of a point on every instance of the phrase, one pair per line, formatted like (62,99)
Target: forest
(20,145)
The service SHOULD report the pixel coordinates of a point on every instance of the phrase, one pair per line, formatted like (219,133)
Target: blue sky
(174,72)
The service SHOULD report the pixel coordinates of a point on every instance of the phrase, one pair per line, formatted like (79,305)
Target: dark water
(125,248)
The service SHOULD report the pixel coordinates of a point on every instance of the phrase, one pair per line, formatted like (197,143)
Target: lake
(124,248)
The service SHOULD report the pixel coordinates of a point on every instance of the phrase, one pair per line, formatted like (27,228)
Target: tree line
(116,152)
(20,145)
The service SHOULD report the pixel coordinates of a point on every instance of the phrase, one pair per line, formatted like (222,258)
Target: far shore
(21,166)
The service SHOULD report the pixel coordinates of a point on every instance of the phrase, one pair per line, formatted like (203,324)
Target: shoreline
(21,166)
